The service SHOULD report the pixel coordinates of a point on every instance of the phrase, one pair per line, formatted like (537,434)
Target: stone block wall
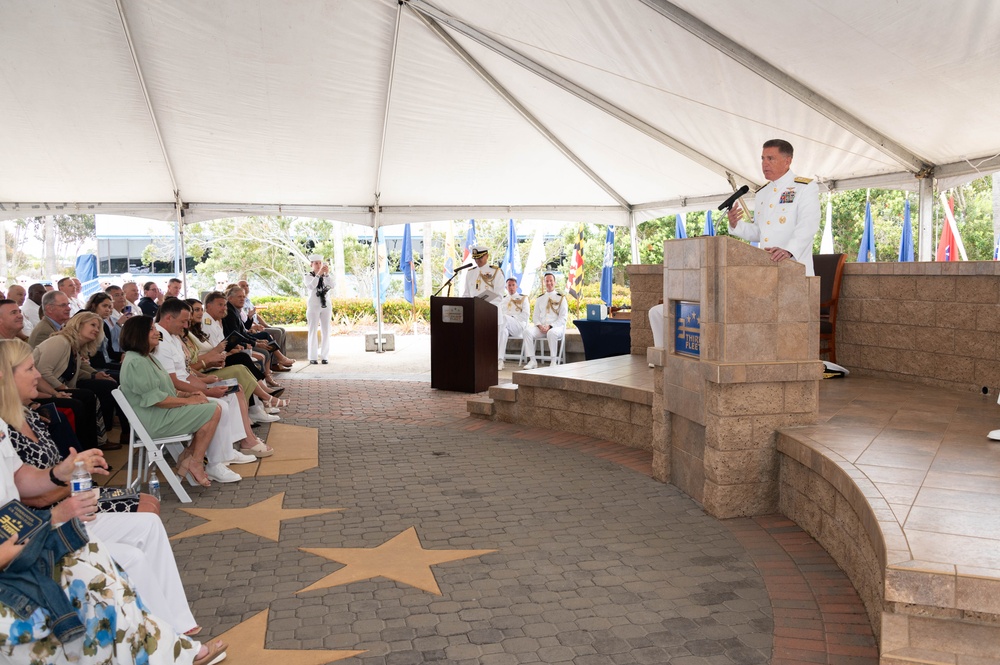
(932,323)
(646,289)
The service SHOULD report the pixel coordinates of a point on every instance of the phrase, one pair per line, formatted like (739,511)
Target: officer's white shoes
(994,435)
(221,473)
(261,417)
(500,365)
(240,458)
(531,364)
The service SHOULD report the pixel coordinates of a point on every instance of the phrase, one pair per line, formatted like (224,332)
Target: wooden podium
(463,344)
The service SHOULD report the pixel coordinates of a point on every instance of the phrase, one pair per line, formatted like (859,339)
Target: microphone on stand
(465,267)
(728,203)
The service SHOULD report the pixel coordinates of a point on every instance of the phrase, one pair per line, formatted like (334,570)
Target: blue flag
(382,266)
(608,271)
(866,252)
(906,240)
(511,265)
(681,231)
(709,226)
(406,265)
(470,241)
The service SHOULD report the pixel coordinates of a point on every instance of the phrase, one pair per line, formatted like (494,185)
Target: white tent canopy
(605,111)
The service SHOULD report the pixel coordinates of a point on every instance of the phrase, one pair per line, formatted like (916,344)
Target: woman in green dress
(162,410)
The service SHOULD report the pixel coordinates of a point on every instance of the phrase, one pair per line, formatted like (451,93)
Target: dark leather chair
(829,268)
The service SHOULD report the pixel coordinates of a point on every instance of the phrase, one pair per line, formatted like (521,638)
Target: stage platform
(897,480)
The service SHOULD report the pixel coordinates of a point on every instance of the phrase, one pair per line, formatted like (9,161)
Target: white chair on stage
(148,451)
(543,353)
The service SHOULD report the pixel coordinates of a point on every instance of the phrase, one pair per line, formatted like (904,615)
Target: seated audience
(32,307)
(56,312)
(63,361)
(205,357)
(95,592)
(234,424)
(106,358)
(216,309)
(163,410)
(11,320)
(19,295)
(236,298)
(151,299)
(253,320)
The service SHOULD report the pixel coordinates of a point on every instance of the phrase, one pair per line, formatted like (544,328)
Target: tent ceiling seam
(578,91)
(790,85)
(175,189)
(509,97)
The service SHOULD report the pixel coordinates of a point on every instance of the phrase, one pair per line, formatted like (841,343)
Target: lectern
(463,344)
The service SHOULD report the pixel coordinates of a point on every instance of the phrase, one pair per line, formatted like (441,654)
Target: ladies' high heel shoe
(275,403)
(186,468)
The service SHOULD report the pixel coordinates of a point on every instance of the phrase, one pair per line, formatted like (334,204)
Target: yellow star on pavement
(401,559)
(246,647)
(263,519)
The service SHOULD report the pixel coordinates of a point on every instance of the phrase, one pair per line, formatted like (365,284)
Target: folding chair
(514,355)
(142,445)
(541,356)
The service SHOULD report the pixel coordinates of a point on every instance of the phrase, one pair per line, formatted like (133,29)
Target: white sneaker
(273,410)
(220,473)
(994,435)
(500,365)
(531,364)
(240,458)
(262,417)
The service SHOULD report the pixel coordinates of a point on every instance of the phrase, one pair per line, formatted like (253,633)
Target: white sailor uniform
(786,215)
(551,309)
(318,315)
(515,310)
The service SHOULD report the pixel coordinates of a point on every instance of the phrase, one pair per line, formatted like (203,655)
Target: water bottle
(153,488)
(81,482)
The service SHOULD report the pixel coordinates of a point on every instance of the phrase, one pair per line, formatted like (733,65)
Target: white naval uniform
(170,353)
(515,310)
(137,541)
(551,309)
(317,317)
(786,215)
(490,280)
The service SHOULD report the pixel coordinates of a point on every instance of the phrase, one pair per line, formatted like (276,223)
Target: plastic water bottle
(81,482)
(153,488)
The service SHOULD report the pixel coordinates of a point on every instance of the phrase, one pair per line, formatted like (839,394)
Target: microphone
(465,267)
(728,203)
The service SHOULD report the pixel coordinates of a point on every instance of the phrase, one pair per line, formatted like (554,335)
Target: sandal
(258,450)
(275,403)
(271,382)
(276,392)
(194,471)
(216,653)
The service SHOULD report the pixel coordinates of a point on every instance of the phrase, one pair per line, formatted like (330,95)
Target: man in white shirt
(18,295)
(515,309)
(131,291)
(551,311)
(174,317)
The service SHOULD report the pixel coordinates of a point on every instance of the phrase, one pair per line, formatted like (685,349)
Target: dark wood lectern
(463,344)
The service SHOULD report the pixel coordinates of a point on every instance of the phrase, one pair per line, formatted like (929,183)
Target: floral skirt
(119,629)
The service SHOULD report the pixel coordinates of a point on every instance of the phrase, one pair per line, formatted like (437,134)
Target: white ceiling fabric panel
(274,105)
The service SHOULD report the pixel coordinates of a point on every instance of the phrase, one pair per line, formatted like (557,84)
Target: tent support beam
(925,220)
(147,99)
(425,9)
(467,58)
(788,84)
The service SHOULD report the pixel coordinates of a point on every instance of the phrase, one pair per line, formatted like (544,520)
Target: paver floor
(500,544)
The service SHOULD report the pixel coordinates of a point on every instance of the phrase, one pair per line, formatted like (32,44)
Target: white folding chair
(541,355)
(144,446)
(508,354)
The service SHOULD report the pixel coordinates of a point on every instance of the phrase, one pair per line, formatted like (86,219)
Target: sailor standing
(486,281)
(318,308)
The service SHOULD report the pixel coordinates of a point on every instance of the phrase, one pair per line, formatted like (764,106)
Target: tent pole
(180,260)
(925,219)
(633,235)
(378,279)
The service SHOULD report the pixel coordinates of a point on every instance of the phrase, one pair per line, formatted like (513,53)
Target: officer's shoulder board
(207,321)
(760,188)
(803,181)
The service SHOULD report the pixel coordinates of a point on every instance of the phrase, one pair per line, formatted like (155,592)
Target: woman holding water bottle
(136,540)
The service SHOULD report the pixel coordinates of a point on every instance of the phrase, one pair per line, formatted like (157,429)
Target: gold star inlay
(246,647)
(263,519)
(401,559)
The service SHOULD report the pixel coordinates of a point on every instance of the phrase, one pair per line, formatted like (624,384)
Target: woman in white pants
(318,308)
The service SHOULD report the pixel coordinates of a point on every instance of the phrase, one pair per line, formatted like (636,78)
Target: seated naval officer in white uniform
(551,311)
(515,310)
(485,281)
